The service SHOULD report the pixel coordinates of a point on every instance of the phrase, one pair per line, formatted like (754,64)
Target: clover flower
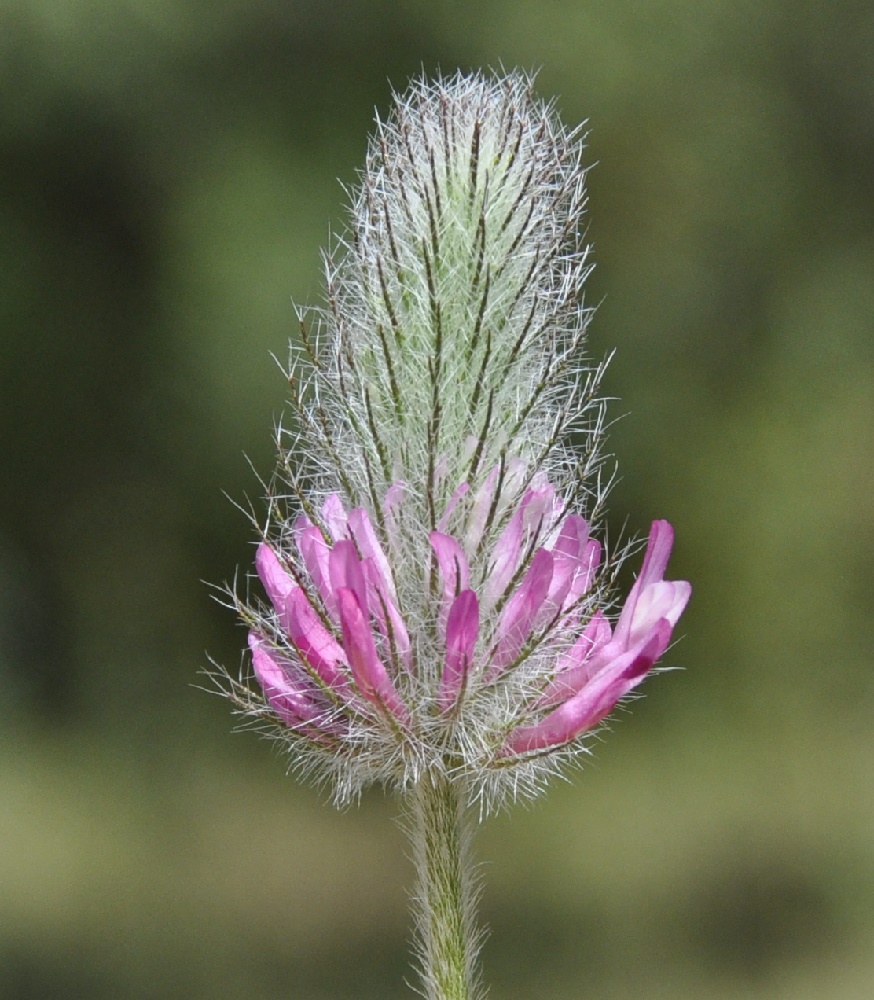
(517,657)
(441,615)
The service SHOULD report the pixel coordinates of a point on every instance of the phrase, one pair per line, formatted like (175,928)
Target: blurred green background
(168,173)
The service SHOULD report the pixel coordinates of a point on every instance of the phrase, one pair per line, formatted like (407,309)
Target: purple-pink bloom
(462,630)
(336,654)
(342,646)
(602,668)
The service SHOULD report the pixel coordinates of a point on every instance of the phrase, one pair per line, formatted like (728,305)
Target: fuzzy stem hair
(445,897)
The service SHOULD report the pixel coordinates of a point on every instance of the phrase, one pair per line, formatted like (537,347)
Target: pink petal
(663,599)
(658,552)
(614,657)
(277,582)
(531,519)
(462,630)
(590,560)
(389,618)
(361,529)
(597,698)
(346,571)
(287,697)
(479,512)
(334,516)
(518,617)
(540,507)
(453,565)
(315,554)
(575,562)
(506,554)
(575,668)
(316,644)
(572,538)
(369,673)
(655,562)
(382,597)
(564,572)
(568,552)
(657,610)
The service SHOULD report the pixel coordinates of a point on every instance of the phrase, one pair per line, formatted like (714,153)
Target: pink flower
(339,652)
(601,667)
(335,659)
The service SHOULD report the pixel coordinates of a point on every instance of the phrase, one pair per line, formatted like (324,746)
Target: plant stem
(446,890)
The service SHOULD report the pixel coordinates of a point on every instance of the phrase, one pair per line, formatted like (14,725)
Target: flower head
(436,598)
(514,659)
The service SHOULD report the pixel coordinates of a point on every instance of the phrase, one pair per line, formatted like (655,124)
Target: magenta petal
(616,658)
(315,554)
(567,551)
(506,554)
(572,537)
(596,700)
(540,507)
(287,698)
(386,612)
(346,571)
(578,665)
(479,511)
(369,673)
(334,515)
(611,660)
(658,552)
(361,529)
(661,600)
(585,575)
(564,572)
(277,582)
(596,634)
(534,515)
(655,562)
(453,565)
(462,630)
(571,578)
(316,644)
(518,617)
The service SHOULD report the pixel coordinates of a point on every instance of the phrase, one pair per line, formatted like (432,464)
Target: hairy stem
(446,890)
